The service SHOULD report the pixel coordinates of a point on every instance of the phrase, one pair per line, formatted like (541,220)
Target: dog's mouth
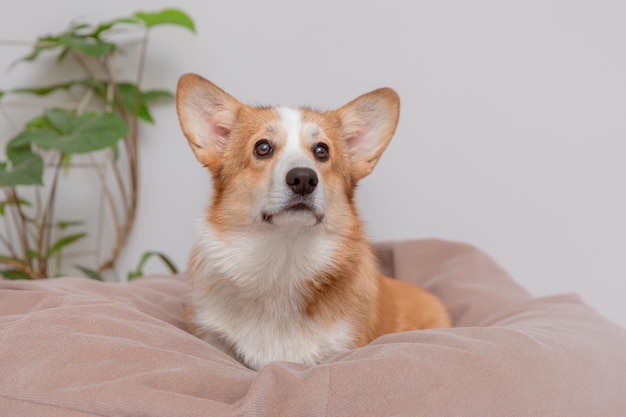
(298,207)
(294,210)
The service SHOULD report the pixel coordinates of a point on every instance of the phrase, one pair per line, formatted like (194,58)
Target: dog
(282,270)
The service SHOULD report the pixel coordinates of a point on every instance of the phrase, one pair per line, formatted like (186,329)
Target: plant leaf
(76,38)
(145,257)
(41,44)
(14,261)
(103,27)
(14,274)
(32,135)
(87,45)
(129,94)
(155,95)
(25,168)
(20,201)
(167,17)
(65,224)
(90,273)
(39,122)
(77,134)
(45,90)
(63,242)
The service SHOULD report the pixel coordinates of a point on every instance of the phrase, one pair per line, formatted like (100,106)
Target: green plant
(96,125)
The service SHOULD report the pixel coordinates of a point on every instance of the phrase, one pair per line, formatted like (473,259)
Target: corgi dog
(282,270)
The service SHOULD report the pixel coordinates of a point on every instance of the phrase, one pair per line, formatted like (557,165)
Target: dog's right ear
(207,115)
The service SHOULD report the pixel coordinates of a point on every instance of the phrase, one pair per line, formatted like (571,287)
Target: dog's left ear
(367,125)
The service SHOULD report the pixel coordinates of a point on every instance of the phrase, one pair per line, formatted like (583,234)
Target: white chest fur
(249,295)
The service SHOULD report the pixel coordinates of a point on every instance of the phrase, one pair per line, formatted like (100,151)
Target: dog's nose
(302,180)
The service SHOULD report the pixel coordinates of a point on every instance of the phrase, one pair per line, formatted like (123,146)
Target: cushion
(77,347)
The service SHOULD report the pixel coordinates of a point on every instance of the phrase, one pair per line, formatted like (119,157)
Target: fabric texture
(76,347)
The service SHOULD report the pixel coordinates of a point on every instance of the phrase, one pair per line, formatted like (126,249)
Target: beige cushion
(76,347)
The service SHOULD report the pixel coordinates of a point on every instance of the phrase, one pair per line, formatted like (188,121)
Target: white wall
(512,135)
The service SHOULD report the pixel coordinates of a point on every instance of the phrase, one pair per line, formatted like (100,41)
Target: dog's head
(281,166)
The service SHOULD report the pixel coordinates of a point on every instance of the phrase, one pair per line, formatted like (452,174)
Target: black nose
(302,180)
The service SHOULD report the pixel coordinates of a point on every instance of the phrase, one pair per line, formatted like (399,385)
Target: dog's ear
(367,125)
(207,115)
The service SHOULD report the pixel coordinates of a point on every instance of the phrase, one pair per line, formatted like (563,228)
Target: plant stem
(21,266)
(118,177)
(9,234)
(14,42)
(19,222)
(83,64)
(45,229)
(8,245)
(132,149)
(140,70)
(23,224)
(107,194)
(58,257)
(130,143)
(84,101)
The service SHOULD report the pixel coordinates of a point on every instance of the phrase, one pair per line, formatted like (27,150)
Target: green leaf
(20,201)
(66,161)
(14,274)
(155,95)
(90,273)
(33,254)
(45,90)
(76,38)
(145,257)
(134,274)
(129,95)
(68,133)
(167,17)
(103,27)
(149,97)
(68,85)
(25,168)
(63,242)
(65,224)
(63,54)
(39,122)
(43,43)
(87,45)
(34,136)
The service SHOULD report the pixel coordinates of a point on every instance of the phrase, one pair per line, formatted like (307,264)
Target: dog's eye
(263,149)
(321,152)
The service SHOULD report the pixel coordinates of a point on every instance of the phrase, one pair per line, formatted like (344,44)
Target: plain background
(512,134)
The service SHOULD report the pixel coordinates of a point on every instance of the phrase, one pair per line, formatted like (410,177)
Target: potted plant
(90,120)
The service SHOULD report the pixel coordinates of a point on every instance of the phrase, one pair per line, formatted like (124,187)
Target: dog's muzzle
(302,182)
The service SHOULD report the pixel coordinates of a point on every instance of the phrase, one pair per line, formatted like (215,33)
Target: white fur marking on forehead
(291,121)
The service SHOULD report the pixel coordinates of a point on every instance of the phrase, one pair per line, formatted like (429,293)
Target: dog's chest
(256,308)
(257,336)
